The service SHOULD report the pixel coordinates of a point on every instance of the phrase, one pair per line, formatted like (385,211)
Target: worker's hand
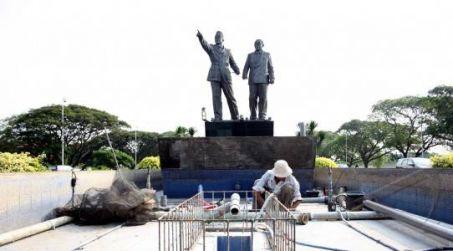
(244,76)
(237,72)
(295,204)
(271,81)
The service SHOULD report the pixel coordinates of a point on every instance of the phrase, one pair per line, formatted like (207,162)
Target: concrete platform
(316,235)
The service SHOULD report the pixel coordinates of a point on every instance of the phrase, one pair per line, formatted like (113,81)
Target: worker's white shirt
(268,181)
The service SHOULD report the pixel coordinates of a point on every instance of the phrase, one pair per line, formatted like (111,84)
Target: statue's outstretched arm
(206,46)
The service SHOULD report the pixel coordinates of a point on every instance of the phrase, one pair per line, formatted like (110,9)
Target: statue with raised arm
(219,74)
(261,75)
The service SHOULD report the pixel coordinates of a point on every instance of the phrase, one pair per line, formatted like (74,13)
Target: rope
(366,235)
(99,237)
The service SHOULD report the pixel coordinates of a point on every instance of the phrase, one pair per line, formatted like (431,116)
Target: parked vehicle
(61,168)
(414,163)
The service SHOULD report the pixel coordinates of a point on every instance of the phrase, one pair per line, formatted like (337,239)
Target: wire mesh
(283,224)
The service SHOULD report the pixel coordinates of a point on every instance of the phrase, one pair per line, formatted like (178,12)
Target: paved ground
(317,235)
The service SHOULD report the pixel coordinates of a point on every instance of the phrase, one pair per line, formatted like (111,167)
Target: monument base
(239,128)
(236,152)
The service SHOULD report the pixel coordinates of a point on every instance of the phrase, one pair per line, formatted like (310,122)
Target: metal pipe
(21,233)
(361,215)
(414,220)
(321,199)
(235,203)
(219,211)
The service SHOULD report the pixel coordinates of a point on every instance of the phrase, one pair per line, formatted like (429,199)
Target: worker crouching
(281,183)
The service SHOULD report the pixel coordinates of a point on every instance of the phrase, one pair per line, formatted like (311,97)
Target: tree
(123,140)
(409,120)
(179,132)
(367,139)
(39,131)
(192,131)
(319,136)
(104,158)
(440,106)
(150,162)
(334,147)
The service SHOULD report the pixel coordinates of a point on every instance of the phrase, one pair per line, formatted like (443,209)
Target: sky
(141,60)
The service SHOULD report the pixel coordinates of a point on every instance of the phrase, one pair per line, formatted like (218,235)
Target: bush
(152,162)
(21,162)
(324,162)
(443,161)
(104,158)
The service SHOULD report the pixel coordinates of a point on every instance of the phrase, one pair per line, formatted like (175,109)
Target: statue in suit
(219,75)
(261,75)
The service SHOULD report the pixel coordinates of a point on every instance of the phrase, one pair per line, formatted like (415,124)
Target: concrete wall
(426,192)
(29,198)
(184,183)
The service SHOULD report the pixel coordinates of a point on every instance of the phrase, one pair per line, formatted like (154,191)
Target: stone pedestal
(239,128)
(236,152)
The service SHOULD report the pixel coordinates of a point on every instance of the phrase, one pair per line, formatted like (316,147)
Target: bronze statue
(219,75)
(261,75)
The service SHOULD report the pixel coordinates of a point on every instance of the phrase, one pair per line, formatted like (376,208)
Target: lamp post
(346,151)
(135,148)
(62,131)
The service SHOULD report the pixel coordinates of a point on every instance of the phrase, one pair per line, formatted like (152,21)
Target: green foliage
(443,161)
(124,141)
(441,108)
(151,162)
(334,147)
(366,138)
(381,161)
(104,158)
(324,162)
(21,162)
(180,132)
(39,131)
(410,122)
(319,136)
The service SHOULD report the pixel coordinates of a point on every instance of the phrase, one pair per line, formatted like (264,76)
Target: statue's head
(259,44)
(218,37)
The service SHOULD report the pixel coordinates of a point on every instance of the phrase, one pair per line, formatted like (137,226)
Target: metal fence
(183,227)
(282,224)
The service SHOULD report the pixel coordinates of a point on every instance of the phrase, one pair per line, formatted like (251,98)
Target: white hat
(282,169)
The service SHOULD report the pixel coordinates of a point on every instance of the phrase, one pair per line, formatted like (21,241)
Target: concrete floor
(316,235)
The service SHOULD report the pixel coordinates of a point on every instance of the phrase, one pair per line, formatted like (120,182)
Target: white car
(414,163)
(61,168)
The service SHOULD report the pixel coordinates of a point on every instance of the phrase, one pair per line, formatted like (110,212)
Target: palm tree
(192,131)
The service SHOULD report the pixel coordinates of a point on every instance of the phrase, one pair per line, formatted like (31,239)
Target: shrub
(104,158)
(324,162)
(21,162)
(443,161)
(152,162)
